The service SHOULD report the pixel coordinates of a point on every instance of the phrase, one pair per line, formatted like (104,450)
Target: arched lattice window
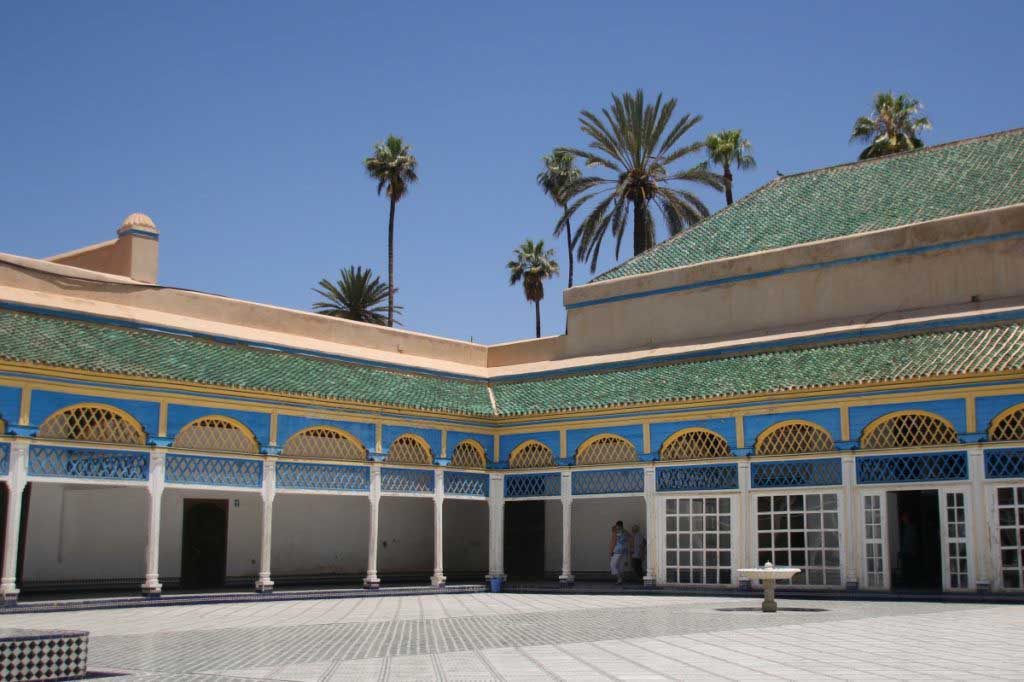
(1009,425)
(409,449)
(794,438)
(907,430)
(216,434)
(531,455)
(469,455)
(694,444)
(95,423)
(607,449)
(324,442)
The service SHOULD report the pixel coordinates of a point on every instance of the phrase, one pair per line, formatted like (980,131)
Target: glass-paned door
(955,555)
(698,540)
(876,576)
(801,531)
(1010,527)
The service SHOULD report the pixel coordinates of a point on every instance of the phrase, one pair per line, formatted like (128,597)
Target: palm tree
(892,127)
(558,180)
(637,143)
(726,149)
(533,264)
(394,168)
(357,295)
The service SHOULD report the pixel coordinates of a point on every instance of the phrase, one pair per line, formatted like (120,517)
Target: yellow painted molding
(444,443)
(161,429)
(972,418)
(741,439)
(25,409)
(380,437)
(647,436)
(497,444)
(844,422)
(562,444)
(273,430)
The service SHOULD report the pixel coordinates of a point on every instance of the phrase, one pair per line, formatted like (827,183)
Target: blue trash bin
(495,584)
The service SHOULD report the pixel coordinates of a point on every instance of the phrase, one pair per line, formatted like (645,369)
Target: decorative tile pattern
(607,481)
(695,444)
(408,450)
(305,476)
(469,455)
(908,430)
(1004,463)
(5,459)
(723,476)
(462,483)
(406,480)
(216,434)
(607,450)
(1010,427)
(220,471)
(796,473)
(93,423)
(531,455)
(795,438)
(533,485)
(325,442)
(938,466)
(45,460)
(37,655)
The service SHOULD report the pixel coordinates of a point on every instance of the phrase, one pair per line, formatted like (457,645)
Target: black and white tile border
(43,655)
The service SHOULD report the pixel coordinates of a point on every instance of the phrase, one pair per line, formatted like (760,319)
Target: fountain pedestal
(768,574)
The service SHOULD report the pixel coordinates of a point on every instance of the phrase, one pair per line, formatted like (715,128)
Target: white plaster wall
(592,521)
(243,530)
(406,532)
(316,534)
(78,532)
(465,536)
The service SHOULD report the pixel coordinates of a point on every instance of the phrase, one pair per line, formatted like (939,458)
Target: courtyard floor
(549,636)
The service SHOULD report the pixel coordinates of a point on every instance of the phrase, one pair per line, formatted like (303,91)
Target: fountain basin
(768,574)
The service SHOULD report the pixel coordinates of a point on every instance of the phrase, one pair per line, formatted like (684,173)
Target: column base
(264,584)
(852,586)
(566,580)
(438,580)
(371,582)
(983,587)
(650,581)
(151,590)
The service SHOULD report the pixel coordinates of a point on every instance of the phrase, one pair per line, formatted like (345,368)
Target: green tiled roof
(934,182)
(82,345)
(943,353)
(62,342)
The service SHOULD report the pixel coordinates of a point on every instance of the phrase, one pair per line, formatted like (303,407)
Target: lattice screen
(408,450)
(531,455)
(92,423)
(695,444)
(908,430)
(324,443)
(794,439)
(607,450)
(216,434)
(1010,427)
(468,455)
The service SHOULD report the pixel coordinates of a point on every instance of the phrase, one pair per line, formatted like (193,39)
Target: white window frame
(736,536)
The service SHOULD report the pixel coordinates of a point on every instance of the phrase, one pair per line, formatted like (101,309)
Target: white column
(263,582)
(980,540)
(438,580)
(566,577)
(742,537)
(16,480)
(853,523)
(496,527)
(653,536)
(155,489)
(371,580)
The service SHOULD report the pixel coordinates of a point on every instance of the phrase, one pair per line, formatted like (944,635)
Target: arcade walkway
(520,637)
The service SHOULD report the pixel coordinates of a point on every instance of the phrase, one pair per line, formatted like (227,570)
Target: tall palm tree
(892,127)
(637,143)
(357,295)
(394,168)
(532,265)
(558,180)
(729,148)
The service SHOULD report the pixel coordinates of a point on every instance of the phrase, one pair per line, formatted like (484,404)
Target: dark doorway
(918,564)
(524,540)
(204,543)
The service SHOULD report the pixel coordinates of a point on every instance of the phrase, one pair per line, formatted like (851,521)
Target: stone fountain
(768,574)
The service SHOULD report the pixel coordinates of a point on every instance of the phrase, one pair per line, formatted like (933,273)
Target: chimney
(138,241)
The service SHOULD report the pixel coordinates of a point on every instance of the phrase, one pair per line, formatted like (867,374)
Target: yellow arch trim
(477,448)
(783,424)
(603,436)
(132,421)
(692,429)
(412,436)
(220,417)
(998,418)
(518,450)
(334,429)
(870,428)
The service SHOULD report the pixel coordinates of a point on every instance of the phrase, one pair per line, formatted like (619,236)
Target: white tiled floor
(542,637)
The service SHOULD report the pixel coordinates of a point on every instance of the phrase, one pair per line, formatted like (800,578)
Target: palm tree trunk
(639,229)
(727,174)
(568,238)
(391,265)
(537,315)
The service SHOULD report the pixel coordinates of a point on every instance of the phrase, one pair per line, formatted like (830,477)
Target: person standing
(618,550)
(638,552)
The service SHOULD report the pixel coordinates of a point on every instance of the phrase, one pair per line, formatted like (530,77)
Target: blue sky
(241,126)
